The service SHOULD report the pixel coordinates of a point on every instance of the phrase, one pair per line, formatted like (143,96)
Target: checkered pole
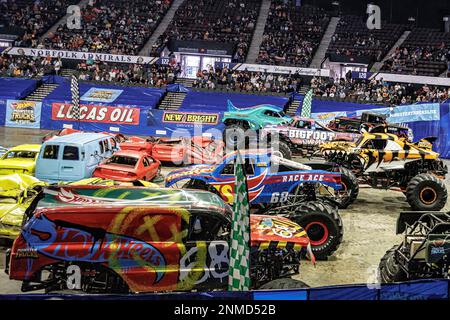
(239,276)
(75,98)
(307,105)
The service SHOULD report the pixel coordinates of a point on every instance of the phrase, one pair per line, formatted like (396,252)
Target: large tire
(323,225)
(234,137)
(426,192)
(350,188)
(389,270)
(284,150)
(284,283)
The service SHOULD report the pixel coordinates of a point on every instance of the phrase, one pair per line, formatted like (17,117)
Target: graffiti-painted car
(144,240)
(17,191)
(302,137)
(195,150)
(276,186)
(108,182)
(20,159)
(128,165)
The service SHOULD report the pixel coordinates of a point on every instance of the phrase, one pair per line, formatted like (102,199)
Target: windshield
(123,160)
(20,154)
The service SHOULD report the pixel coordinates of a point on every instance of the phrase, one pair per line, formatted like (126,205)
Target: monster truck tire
(389,270)
(426,192)
(323,225)
(234,137)
(350,186)
(284,283)
(284,150)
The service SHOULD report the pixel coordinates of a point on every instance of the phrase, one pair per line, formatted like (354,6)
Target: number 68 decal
(279,197)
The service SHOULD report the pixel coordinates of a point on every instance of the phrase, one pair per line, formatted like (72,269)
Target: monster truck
(277,186)
(385,161)
(424,252)
(238,120)
(145,240)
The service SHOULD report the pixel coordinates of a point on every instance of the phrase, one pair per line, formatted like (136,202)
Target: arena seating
(230,21)
(30,19)
(353,38)
(292,34)
(425,52)
(112,26)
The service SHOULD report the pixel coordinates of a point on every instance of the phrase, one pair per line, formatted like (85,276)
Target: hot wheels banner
(23,114)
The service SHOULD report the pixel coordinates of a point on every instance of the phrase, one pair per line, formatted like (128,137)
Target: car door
(205,263)
(70,165)
(150,167)
(47,166)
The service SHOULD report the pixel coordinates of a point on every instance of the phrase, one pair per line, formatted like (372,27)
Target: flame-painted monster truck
(385,161)
(120,240)
(277,186)
(238,120)
(425,250)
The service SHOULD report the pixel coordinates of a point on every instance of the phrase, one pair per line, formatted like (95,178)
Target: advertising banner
(97,114)
(23,114)
(409,113)
(101,95)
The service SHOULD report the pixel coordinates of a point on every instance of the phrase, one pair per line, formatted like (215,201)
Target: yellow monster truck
(386,161)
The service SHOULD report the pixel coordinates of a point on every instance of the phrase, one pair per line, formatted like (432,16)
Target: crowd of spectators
(363,91)
(246,81)
(128,74)
(292,34)
(353,38)
(111,26)
(30,19)
(377,91)
(230,21)
(424,52)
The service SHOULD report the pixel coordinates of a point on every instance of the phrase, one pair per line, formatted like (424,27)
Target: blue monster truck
(237,120)
(277,186)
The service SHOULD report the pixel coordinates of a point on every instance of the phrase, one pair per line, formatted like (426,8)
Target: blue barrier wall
(414,290)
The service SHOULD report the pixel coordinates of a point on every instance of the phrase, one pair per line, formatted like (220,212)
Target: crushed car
(145,240)
(17,191)
(279,187)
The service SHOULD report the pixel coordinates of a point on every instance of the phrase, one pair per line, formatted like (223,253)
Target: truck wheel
(234,137)
(350,188)
(284,283)
(323,225)
(283,150)
(426,192)
(389,270)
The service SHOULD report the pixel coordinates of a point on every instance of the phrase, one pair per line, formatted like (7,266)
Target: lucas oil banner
(23,114)
(97,114)
(101,95)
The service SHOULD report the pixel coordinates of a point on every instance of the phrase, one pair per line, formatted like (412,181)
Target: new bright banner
(23,114)
(101,95)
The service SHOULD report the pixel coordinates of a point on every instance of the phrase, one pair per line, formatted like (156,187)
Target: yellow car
(17,191)
(108,182)
(20,159)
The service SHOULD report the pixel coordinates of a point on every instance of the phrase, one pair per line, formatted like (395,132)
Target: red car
(138,144)
(128,165)
(196,150)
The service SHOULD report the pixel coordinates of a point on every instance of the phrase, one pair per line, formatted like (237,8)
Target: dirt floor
(369,230)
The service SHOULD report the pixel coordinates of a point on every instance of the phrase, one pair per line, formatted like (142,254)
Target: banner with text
(23,114)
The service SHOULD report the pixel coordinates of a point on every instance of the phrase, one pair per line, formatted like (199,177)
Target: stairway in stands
(377,65)
(319,56)
(41,92)
(293,106)
(172,101)
(258,33)
(187,82)
(67,72)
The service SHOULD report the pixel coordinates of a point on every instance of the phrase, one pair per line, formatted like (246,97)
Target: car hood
(13,185)
(201,169)
(116,167)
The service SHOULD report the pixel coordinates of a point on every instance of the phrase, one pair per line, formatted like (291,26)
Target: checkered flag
(306,106)
(239,276)
(75,98)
